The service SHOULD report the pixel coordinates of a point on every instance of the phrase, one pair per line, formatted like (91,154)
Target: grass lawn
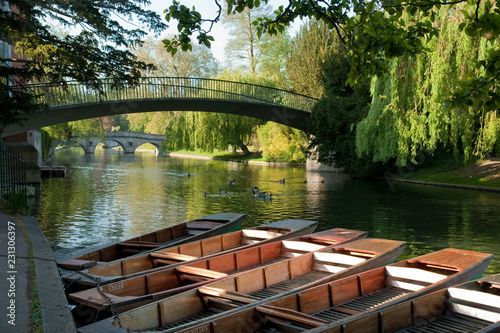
(481,173)
(229,155)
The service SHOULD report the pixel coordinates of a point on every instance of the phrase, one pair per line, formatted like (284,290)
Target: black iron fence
(12,179)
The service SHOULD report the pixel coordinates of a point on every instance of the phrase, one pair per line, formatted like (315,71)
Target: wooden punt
(130,293)
(470,307)
(178,234)
(180,312)
(335,303)
(183,253)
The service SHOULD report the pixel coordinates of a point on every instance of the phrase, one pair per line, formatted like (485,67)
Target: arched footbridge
(73,101)
(129,141)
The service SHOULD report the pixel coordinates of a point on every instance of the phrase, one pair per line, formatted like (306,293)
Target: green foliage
(280,143)
(249,52)
(376,32)
(97,48)
(411,110)
(199,62)
(47,142)
(309,49)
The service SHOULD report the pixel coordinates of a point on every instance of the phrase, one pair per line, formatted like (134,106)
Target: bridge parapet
(137,135)
(71,101)
(67,93)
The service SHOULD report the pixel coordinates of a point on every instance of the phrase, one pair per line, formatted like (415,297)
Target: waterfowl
(261,195)
(282,181)
(232,182)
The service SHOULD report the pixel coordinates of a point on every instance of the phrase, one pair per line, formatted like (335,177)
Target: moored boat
(178,234)
(248,289)
(183,253)
(354,297)
(470,307)
(132,292)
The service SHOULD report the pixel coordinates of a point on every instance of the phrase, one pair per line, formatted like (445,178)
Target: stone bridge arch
(129,141)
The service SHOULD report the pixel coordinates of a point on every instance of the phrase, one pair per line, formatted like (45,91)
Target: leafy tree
(309,50)
(97,49)
(282,143)
(374,33)
(199,62)
(244,47)
(411,113)
(334,118)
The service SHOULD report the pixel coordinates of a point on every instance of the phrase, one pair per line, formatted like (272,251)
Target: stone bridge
(129,141)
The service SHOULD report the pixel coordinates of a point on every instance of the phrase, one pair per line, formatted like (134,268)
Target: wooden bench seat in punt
(334,262)
(411,278)
(250,236)
(474,303)
(295,248)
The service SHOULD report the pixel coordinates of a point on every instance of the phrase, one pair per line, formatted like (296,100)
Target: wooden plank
(403,285)
(474,296)
(301,246)
(172,256)
(338,258)
(288,314)
(263,234)
(415,274)
(139,244)
(194,232)
(203,224)
(475,312)
(200,272)
(328,268)
(227,294)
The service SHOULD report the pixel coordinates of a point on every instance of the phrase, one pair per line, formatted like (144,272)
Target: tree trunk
(244,148)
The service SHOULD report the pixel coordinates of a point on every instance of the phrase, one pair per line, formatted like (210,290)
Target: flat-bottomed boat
(178,234)
(176,255)
(250,288)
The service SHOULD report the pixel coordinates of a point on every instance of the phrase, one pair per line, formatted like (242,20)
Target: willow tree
(412,113)
(379,35)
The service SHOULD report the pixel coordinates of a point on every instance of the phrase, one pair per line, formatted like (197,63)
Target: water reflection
(111,196)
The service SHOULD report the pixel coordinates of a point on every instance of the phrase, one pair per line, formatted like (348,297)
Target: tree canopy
(373,31)
(98,47)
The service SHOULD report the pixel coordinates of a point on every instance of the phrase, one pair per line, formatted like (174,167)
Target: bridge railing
(55,94)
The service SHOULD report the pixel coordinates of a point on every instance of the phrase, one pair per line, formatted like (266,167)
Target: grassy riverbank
(480,173)
(446,170)
(223,155)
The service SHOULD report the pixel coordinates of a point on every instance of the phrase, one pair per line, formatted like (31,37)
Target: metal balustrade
(72,92)
(12,179)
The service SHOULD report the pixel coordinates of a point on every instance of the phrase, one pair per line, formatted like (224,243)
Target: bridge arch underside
(66,113)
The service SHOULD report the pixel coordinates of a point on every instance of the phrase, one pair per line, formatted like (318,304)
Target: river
(110,196)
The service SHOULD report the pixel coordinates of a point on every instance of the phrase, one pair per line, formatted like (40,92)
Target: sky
(208,9)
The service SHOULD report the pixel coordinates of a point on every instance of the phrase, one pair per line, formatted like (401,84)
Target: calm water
(110,196)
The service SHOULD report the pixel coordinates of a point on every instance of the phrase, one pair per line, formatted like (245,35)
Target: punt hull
(176,255)
(469,307)
(246,290)
(143,289)
(178,234)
